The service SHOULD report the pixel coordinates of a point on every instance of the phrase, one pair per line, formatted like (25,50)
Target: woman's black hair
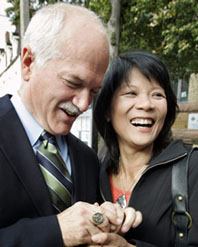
(152,67)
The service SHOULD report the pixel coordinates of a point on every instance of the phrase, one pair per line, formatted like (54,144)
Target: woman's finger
(132,219)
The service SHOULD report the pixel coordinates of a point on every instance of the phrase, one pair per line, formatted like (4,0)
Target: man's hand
(77,225)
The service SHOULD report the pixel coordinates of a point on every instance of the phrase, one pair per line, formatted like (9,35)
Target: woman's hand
(120,219)
(132,219)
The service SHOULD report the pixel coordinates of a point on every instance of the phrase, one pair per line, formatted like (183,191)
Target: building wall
(186,124)
(193,89)
(10,79)
(82,127)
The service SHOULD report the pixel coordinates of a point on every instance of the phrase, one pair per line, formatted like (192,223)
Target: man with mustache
(64,57)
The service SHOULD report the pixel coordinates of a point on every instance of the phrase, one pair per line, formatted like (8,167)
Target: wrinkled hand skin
(77,226)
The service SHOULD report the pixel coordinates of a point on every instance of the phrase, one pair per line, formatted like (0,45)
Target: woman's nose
(144,102)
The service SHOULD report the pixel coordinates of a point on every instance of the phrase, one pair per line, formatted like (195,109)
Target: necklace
(122,199)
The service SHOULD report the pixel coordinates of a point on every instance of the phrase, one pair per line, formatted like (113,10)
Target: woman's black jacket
(152,196)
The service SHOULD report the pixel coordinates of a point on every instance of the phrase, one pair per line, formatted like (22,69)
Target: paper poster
(193,121)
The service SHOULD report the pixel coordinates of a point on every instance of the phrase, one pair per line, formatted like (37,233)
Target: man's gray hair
(42,32)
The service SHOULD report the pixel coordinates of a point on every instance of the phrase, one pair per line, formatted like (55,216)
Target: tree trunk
(113,28)
(24,17)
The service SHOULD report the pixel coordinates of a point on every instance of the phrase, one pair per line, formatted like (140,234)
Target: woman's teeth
(142,122)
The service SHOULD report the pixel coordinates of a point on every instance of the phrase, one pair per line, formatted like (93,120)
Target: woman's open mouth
(142,122)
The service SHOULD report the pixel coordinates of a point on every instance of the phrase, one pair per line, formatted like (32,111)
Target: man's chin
(61,130)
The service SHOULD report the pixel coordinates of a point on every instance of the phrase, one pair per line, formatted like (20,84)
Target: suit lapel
(16,147)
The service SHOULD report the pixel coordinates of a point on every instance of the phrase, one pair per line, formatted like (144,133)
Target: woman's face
(138,111)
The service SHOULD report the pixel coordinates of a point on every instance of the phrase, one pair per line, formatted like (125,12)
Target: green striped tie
(55,172)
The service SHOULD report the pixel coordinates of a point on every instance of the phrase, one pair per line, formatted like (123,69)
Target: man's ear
(26,63)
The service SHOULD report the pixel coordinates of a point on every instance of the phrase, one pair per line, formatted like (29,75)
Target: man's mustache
(70,108)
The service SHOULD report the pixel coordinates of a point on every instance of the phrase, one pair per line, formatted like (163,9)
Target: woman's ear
(26,63)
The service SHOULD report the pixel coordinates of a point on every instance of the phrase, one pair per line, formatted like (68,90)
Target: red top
(117,192)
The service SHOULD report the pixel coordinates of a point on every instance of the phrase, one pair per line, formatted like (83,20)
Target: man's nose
(82,100)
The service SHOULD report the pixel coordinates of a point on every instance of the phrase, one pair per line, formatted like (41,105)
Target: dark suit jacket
(26,214)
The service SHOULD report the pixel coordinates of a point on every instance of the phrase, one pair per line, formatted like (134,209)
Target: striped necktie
(55,172)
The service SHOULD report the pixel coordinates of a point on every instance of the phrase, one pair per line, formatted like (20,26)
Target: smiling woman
(138,111)
(134,113)
(141,82)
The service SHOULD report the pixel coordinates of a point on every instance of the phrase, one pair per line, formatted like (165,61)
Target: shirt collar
(27,119)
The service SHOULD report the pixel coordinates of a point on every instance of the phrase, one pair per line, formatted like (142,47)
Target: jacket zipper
(148,168)
(158,164)
(165,162)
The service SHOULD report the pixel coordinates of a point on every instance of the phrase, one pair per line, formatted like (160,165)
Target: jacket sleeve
(38,232)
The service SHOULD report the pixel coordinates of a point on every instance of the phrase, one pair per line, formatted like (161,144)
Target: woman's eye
(133,93)
(159,95)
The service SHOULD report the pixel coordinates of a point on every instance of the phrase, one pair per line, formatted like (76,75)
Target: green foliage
(14,11)
(181,36)
(101,7)
(166,27)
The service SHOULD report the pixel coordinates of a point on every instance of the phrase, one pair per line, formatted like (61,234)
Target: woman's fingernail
(134,225)
(113,227)
(95,238)
(119,221)
(125,229)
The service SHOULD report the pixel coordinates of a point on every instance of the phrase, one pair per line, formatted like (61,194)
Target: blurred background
(168,28)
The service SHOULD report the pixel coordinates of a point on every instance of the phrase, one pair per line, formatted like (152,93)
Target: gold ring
(98,218)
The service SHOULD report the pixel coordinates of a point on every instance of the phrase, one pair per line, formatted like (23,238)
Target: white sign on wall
(193,121)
